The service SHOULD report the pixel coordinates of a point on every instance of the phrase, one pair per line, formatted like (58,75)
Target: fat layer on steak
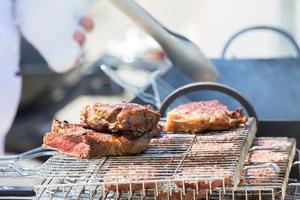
(203,116)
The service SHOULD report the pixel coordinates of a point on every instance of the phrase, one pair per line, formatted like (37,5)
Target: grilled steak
(125,177)
(77,140)
(203,116)
(202,171)
(127,118)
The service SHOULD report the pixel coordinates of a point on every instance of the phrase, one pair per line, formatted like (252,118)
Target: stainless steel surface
(160,168)
(183,53)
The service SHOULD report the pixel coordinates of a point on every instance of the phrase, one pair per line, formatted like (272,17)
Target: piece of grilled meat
(77,140)
(189,194)
(128,177)
(203,116)
(127,118)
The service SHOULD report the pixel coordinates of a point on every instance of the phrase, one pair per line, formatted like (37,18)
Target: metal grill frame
(271,192)
(49,182)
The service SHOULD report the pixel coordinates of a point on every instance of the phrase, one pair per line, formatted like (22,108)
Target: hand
(88,25)
(55,28)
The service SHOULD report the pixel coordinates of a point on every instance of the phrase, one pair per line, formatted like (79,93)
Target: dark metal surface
(274,128)
(270,85)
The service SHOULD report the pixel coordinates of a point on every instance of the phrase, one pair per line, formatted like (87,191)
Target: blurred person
(55,28)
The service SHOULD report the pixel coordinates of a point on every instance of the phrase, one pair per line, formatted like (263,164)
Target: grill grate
(162,170)
(270,186)
(265,187)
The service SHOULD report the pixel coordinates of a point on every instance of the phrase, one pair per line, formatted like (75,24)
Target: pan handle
(283,33)
(11,164)
(193,87)
(33,153)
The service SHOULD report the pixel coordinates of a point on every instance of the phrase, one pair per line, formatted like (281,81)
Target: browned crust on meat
(76,140)
(128,118)
(203,116)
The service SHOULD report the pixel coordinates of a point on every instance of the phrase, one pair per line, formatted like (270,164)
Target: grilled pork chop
(203,116)
(127,118)
(77,140)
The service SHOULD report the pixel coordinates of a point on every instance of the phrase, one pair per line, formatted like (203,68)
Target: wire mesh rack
(270,160)
(165,171)
(270,184)
(174,165)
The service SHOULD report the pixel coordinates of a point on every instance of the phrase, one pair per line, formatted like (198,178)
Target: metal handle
(283,33)
(33,153)
(298,161)
(294,164)
(142,18)
(183,53)
(11,165)
(193,87)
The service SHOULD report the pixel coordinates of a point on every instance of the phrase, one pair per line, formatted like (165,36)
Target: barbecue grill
(161,165)
(174,166)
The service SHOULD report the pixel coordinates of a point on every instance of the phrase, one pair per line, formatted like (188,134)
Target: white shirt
(10,84)
(49,26)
